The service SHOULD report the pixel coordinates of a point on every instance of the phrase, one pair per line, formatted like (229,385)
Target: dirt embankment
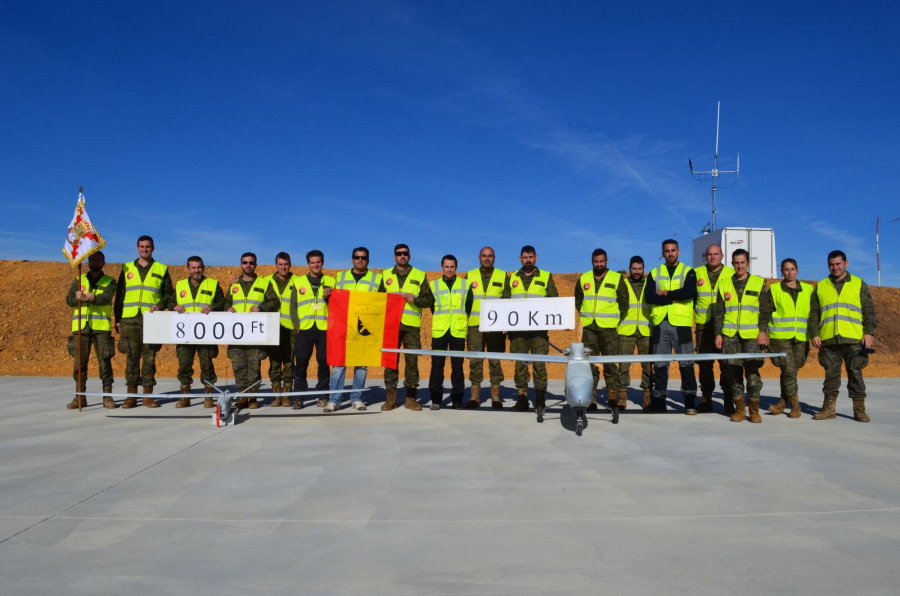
(36,322)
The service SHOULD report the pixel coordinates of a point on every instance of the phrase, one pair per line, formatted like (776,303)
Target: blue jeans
(337,382)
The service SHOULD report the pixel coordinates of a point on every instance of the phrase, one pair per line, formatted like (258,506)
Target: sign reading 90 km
(527,314)
(252,328)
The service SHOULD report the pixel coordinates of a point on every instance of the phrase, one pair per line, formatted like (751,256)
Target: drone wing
(482,355)
(657,358)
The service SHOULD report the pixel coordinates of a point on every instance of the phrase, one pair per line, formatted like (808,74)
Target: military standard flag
(360,324)
(83,240)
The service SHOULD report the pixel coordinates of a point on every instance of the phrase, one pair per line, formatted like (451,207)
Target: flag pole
(78,341)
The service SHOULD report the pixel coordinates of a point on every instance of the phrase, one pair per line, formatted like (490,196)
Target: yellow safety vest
(638,316)
(412,314)
(311,306)
(255,297)
(285,315)
(449,308)
(93,316)
(370,282)
(205,294)
(741,316)
(493,291)
(537,289)
(141,294)
(707,292)
(599,303)
(840,314)
(680,312)
(789,319)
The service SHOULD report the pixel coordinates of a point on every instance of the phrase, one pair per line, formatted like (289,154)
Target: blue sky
(219,127)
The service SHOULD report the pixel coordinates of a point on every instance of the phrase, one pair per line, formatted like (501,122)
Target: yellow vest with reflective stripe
(412,314)
(93,316)
(370,282)
(311,306)
(840,314)
(680,312)
(493,291)
(205,294)
(255,297)
(537,289)
(141,294)
(599,303)
(741,316)
(284,311)
(707,292)
(638,316)
(449,308)
(789,319)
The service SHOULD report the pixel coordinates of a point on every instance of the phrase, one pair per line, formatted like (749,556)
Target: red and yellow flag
(82,240)
(360,324)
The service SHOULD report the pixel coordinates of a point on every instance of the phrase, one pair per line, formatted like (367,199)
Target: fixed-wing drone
(579,387)
(225,404)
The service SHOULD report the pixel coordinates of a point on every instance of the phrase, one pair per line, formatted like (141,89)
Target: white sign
(527,314)
(215,328)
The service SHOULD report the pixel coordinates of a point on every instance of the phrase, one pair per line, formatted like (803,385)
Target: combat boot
(689,408)
(729,405)
(242,402)
(648,397)
(184,402)
(276,395)
(778,407)
(540,400)
(149,402)
(794,402)
(77,401)
(474,397)
(108,401)
(753,404)
(130,401)
(827,412)
(208,401)
(522,404)
(859,409)
(706,404)
(286,387)
(623,399)
(455,401)
(738,407)
(391,401)
(411,402)
(496,402)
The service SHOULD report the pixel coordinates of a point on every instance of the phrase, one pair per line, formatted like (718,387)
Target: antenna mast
(715,172)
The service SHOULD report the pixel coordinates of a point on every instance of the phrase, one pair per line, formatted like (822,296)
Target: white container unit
(759,242)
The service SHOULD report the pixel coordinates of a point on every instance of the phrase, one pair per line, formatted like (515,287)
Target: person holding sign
(248,293)
(144,286)
(197,293)
(530,282)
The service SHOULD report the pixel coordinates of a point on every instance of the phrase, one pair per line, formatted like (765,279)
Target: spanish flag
(360,324)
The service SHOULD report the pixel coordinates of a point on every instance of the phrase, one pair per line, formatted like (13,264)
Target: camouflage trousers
(140,358)
(281,358)
(246,363)
(627,346)
(706,344)
(103,347)
(738,369)
(205,354)
(797,351)
(605,342)
(476,341)
(410,337)
(831,357)
(530,344)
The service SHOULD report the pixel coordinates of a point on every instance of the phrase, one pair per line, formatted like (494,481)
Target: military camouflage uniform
(205,353)
(628,343)
(281,357)
(101,340)
(492,341)
(131,339)
(531,342)
(603,340)
(246,360)
(844,350)
(706,344)
(796,351)
(410,337)
(738,368)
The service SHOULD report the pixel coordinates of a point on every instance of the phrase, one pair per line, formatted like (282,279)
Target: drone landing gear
(580,420)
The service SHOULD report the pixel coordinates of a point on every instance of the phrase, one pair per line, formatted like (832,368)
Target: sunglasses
(360,257)
(401,253)
(248,262)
